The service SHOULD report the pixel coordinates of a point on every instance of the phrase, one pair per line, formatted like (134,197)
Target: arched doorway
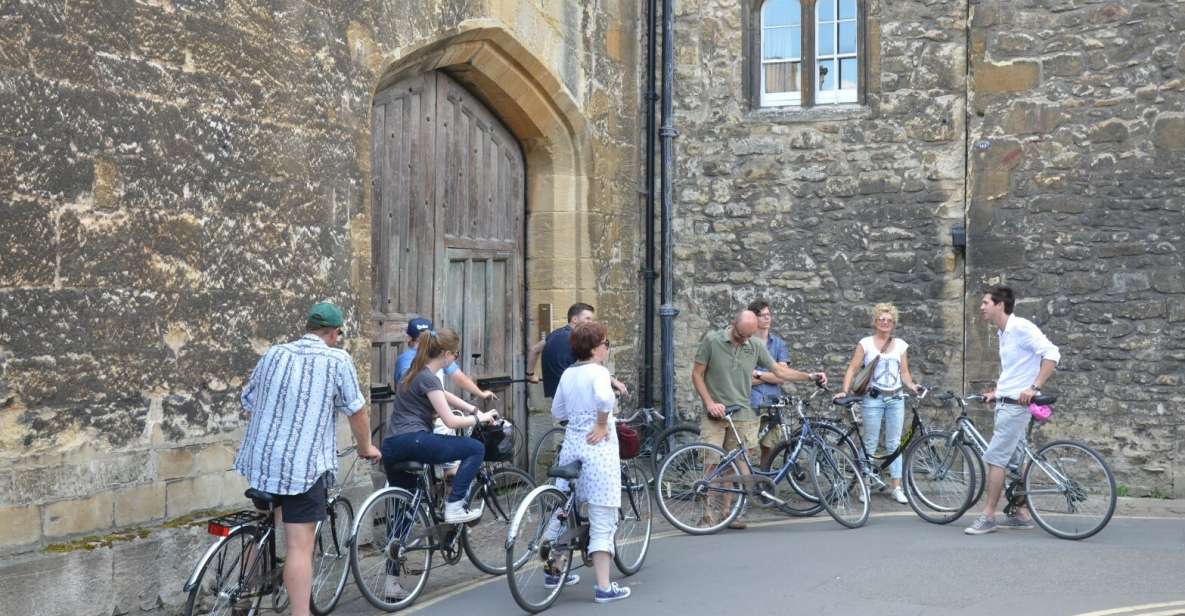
(447,226)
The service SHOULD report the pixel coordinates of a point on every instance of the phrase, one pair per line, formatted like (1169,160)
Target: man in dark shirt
(557,352)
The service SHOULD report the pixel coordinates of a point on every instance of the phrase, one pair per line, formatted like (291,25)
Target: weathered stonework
(1088,222)
(182,180)
(824,211)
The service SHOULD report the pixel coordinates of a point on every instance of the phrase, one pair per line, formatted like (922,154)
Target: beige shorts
(717,432)
(773,436)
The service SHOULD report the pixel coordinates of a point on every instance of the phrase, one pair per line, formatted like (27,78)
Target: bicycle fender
(191,581)
(520,512)
(366,503)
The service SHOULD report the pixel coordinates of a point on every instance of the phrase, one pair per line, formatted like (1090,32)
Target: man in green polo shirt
(722,377)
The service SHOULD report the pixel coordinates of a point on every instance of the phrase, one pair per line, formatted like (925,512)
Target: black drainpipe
(648,275)
(667,133)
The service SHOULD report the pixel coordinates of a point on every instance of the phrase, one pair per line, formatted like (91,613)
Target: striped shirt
(292,397)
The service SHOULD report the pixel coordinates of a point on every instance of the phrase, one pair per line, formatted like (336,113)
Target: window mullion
(808,53)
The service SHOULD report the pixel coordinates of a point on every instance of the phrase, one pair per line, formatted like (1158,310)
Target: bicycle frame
(872,464)
(969,434)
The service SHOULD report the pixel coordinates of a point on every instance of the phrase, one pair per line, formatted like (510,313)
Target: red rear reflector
(217,530)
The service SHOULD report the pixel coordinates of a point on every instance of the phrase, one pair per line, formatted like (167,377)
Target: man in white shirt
(1027,360)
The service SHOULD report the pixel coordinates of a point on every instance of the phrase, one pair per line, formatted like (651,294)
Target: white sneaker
(393,591)
(456,512)
(899,496)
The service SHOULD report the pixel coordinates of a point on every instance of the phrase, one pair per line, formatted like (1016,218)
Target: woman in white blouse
(883,401)
(585,399)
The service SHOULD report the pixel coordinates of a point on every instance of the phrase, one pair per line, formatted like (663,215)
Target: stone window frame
(751,40)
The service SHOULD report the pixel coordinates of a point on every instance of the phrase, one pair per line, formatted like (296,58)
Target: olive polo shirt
(729,370)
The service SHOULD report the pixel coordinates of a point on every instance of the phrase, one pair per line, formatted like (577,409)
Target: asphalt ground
(896,564)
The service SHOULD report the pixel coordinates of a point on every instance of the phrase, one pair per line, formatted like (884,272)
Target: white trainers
(393,591)
(899,496)
(455,512)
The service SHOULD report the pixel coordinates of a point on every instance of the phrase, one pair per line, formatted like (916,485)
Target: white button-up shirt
(1022,348)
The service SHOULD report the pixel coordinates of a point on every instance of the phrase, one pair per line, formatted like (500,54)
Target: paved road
(897,564)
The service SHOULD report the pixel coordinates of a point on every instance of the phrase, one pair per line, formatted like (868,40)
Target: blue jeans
(428,448)
(892,411)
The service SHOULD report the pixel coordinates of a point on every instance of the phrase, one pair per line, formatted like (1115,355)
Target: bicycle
(1067,486)
(532,553)
(686,491)
(397,531)
(242,566)
(656,443)
(944,475)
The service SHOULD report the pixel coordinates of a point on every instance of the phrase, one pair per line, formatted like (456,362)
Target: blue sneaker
(551,580)
(614,593)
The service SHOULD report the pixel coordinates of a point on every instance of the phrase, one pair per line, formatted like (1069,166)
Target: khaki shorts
(717,432)
(773,437)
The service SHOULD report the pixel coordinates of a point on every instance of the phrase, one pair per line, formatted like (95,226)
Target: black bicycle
(398,532)
(242,568)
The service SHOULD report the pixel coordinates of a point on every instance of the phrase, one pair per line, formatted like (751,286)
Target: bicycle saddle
(407,466)
(1044,399)
(728,411)
(847,401)
(570,470)
(262,497)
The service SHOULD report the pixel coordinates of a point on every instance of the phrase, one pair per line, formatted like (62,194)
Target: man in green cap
(289,449)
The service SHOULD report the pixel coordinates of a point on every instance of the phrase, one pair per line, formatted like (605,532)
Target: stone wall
(827,211)
(1077,145)
(181,180)
(1054,130)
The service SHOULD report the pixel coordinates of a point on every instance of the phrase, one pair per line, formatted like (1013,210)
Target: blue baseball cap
(417,325)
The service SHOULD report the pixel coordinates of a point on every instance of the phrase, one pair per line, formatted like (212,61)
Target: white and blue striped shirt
(292,397)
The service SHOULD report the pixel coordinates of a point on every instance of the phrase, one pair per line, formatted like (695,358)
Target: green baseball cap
(325,314)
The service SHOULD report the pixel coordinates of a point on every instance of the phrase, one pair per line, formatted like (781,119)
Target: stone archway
(542,116)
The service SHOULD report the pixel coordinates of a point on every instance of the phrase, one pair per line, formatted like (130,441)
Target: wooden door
(448,227)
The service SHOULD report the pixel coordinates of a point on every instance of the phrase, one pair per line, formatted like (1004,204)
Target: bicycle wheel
(669,440)
(687,499)
(545,454)
(839,482)
(1070,490)
(940,478)
(531,551)
(230,581)
(831,433)
(331,556)
(635,519)
(796,500)
(390,549)
(501,493)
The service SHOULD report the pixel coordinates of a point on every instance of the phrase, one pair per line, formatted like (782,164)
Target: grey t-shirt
(413,410)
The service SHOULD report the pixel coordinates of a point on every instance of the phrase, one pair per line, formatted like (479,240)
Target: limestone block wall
(827,211)
(181,180)
(1076,150)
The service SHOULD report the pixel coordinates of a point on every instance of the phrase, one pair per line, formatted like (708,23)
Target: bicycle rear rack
(223,526)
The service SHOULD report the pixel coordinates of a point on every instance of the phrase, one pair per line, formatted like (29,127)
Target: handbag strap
(885,346)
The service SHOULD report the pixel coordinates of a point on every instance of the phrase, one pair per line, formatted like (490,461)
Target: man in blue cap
(417,326)
(289,449)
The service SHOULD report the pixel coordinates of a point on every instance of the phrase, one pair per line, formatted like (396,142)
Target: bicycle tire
(1080,477)
(376,550)
(485,541)
(219,586)
(331,556)
(940,477)
(796,503)
(545,453)
(670,439)
(830,433)
(635,518)
(684,498)
(839,479)
(529,552)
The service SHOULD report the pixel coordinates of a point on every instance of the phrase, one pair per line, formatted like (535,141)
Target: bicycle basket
(629,442)
(497,440)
